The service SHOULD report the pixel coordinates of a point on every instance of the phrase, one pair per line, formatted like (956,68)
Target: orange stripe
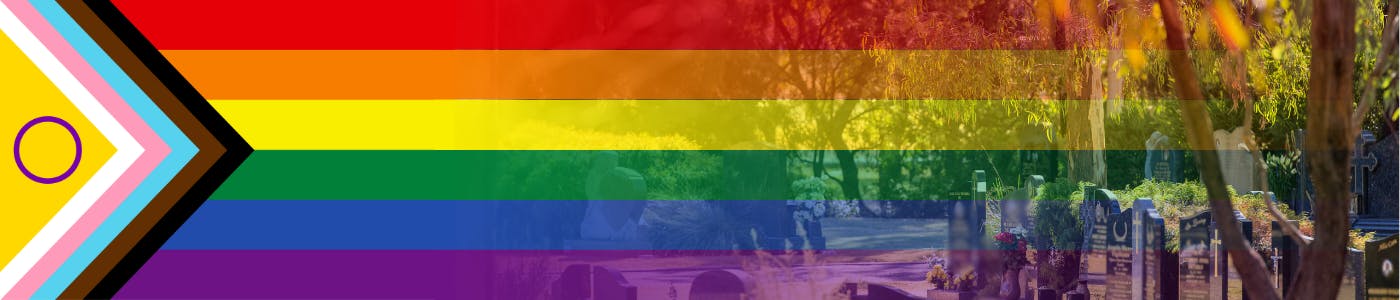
(614,74)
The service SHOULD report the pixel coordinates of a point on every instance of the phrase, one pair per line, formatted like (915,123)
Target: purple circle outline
(76,158)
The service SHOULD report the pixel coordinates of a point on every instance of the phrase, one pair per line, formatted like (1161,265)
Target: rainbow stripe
(380,127)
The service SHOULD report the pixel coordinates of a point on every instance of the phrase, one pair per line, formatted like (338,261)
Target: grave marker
(1101,205)
(1285,257)
(1152,277)
(1197,264)
(1381,279)
(1236,161)
(1120,280)
(1162,162)
(1230,285)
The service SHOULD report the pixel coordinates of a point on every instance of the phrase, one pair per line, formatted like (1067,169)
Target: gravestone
(1015,211)
(1197,263)
(609,284)
(1205,262)
(1362,162)
(723,285)
(1236,161)
(1120,280)
(616,200)
(1381,181)
(1163,163)
(1285,258)
(1101,205)
(966,219)
(1381,279)
(1354,280)
(1152,274)
(1230,284)
(1303,192)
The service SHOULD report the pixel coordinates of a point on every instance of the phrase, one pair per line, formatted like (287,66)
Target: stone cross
(1361,159)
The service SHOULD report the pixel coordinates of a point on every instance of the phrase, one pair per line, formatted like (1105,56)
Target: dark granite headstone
(1163,163)
(1362,162)
(1381,279)
(1120,257)
(722,285)
(1230,285)
(1047,293)
(1152,276)
(1285,258)
(966,218)
(1094,267)
(1303,194)
(1381,181)
(1197,263)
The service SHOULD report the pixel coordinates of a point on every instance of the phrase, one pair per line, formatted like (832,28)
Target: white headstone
(1236,162)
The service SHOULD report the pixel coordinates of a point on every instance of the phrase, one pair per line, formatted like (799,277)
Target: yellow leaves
(1228,24)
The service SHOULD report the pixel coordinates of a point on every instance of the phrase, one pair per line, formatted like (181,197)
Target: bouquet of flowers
(965,282)
(1013,248)
(938,277)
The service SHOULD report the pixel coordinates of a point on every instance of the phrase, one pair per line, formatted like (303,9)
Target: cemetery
(1041,237)
(1062,177)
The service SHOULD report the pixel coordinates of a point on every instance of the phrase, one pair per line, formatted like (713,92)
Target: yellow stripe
(637,124)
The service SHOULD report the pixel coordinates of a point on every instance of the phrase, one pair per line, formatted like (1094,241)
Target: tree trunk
(1328,146)
(1198,131)
(1084,135)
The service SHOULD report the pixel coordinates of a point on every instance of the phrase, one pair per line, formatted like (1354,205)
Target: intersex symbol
(76,157)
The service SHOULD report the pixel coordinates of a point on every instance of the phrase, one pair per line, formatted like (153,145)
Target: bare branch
(1250,265)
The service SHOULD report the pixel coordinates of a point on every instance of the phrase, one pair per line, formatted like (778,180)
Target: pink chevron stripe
(155,149)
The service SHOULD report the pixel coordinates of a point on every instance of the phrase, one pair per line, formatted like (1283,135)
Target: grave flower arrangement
(1012,245)
(938,277)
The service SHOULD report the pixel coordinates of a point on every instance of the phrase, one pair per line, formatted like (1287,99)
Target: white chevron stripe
(128,150)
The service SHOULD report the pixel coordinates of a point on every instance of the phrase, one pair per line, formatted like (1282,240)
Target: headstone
(609,284)
(1302,201)
(1094,267)
(1197,264)
(1362,163)
(1229,284)
(1163,163)
(1354,280)
(1120,280)
(1382,181)
(1236,161)
(1015,211)
(1285,258)
(1047,293)
(1152,275)
(966,219)
(1381,279)
(722,285)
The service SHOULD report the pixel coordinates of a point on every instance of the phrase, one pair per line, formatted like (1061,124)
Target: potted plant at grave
(1012,245)
(950,284)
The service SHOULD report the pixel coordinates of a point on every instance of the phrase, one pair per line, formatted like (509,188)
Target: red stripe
(531,24)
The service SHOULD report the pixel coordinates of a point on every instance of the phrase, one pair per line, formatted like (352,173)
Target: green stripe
(560,175)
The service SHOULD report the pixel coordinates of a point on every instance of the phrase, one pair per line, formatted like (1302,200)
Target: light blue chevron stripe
(182,150)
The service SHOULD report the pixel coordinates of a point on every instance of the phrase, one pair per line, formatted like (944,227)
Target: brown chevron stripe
(220,149)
